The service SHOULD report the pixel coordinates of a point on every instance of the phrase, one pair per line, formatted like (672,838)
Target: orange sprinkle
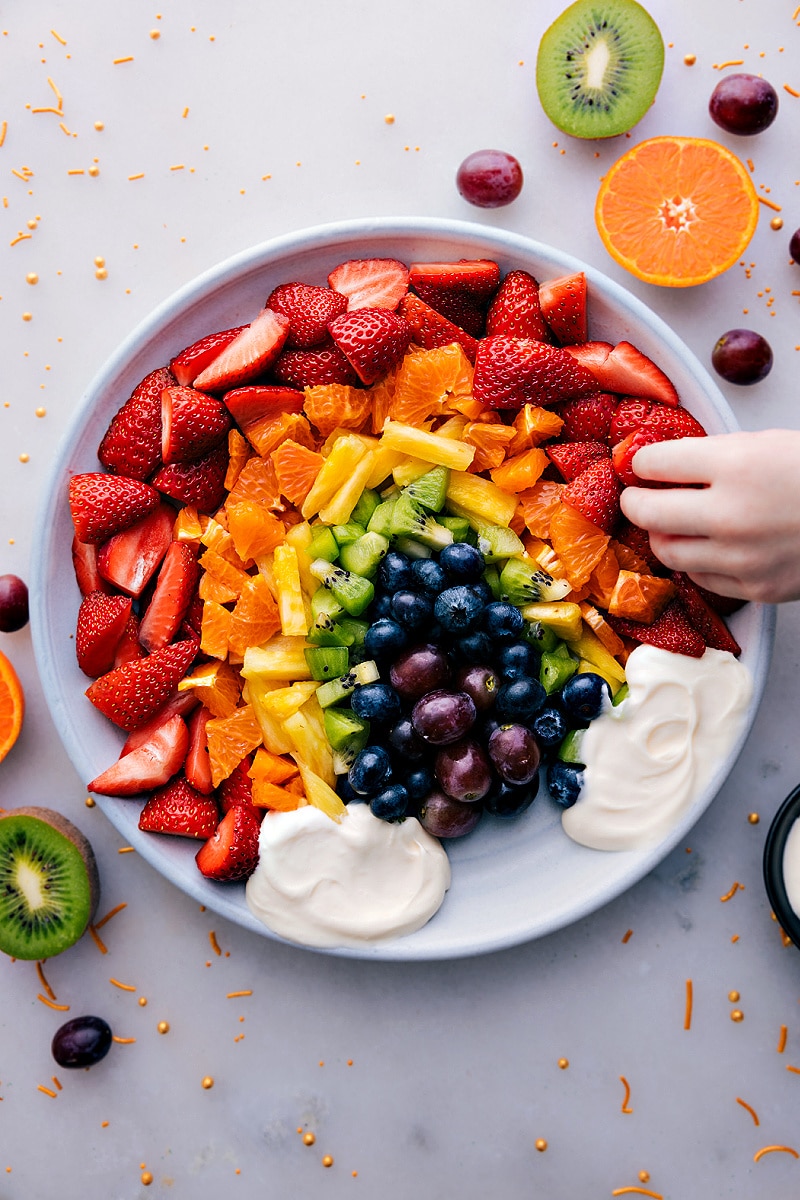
(57,1082)
(794,1070)
(127,58)
(126,987)
(58,37)
(233,995)
(99,924)
(44,982)
(47,1091)
(125,850)
(782,1040)
(734,62)
(625,1106)
(215,946)
(687,1017)
(140,175)
(627,1191)
(790,90)
(770,1149)
(750,165)
(3,132)
(747,1107)
(185,112)
(43,108)
(123,1041)
(769,203)
(50,1004)
(736,887)
(626,937)
(64,129)
(178,167)
(76,171)
(21,237)
(98,941)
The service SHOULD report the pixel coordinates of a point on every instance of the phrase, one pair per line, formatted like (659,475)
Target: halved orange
(12,706)
(677,211)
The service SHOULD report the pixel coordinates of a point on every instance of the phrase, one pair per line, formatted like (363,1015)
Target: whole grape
(81,1042)
(481,683)
(419,670)
(489,178)
(13,603)
(743,104)
(515,753)
(464,771)
(442,717)
(742,356)
(445,817)
(794,246)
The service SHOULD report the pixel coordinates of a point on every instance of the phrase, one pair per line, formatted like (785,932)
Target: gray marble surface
(436,1079)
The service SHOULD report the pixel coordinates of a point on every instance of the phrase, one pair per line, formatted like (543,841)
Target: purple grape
(464,771)
(509,800)
(743,104)
(742,356)
(445,817)
(419,670)
(13,603)
(515,753)
(481,683)
(442,717)
(489,178)
(794,246)
(81,1042)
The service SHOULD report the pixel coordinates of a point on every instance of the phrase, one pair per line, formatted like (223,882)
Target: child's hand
(739,534)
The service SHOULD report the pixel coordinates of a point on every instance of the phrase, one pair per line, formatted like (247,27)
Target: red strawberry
(671,631)
(708,623)
(370,282)
(130,559)
(232,853)
(373,339)
(180,704)
(197,767)
(249,355)
(237,789)
(129,647)
(624,369)
(187,365)
(310,368)
(149,765)
(174,590)
(672,423)
(623,453)
(460,291)
(84,562)
(192,424)
(102,620)
(132,694)
(194,614)
(132,443)
(724,605)
(629,415)
(309,308)
(250,405)
(638,541)
(572,458)
(563,304)
(102,505)
(511,371)
(178,808)
(595,495)
(588,418)
(516,309)
(429,329)
(200,483)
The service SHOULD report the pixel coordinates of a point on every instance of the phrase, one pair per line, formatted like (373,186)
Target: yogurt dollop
(791,867)
(326,883)
(648,758)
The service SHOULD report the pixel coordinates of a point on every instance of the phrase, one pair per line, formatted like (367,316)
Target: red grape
(515,753)
(419,670)
(442,717)
(445,817)
(743,104)
(794,246)
(489,178)
(742,356)
(82,1042)
(464,771)
(481,683)
(13,603)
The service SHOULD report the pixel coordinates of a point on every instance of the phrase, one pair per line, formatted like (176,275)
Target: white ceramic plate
(513,880)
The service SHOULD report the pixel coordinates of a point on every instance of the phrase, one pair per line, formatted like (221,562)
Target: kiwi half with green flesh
(49,885)
(599,66)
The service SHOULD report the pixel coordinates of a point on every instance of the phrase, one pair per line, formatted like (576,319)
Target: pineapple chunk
(338,510)
(319,793)
(255,693)
(441,451)
(290,593)
(476,498)
(300,537)
(564,618)
(284,702)
(384,463)
(588,645)
(409,469)
(282,658)
(310,744)
(334,473)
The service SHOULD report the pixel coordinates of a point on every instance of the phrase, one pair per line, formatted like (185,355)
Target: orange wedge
(677,211)
(12,706)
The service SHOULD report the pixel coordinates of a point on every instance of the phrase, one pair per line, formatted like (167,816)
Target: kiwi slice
(599,66)
(49,885)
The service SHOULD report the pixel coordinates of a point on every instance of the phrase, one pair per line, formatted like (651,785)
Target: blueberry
(419,783)
(503,621)
(391,803)
(427,576)
(482,590)
(584,696)
(344,790)
(458,609)
(394,572)
(518,658)
(475,648)
(406,742)
(371,771)
(385,638)
(462,562)
(520,699)
(375,702)
(549,727)
(564,783)
(381,607)
(412,609)
(511,799)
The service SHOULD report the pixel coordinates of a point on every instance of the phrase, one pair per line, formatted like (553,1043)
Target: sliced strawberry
(192,424)
(429,329)
(724,605)
(194,614)
(84,562)
(370,282)
(588,418)
(149,766)
(197,767)
(249,355)
(200,483)
(250,405)
(511,371)
(572,458)
(516,309)
(460,291)
(629,415)
(180,704)
(671,631)
(309,309)
(187,365)
(102,620)
(623,453)
(624,369)
(672,423)
(595,495)
(708,623)
(310,368)
(129,647)
(102,505)
(173,593)
(132,443)
(178,808)
(132,694)
(130,559)
(237,789)
(373,339)
(232,852)
(563,304)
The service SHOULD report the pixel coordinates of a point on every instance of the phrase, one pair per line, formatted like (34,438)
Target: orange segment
(533,425)
(238,454)
(538,505)
(255,617)
(254,530)
(577,542)
(257,481)
(230,739)
(332,404)
(677,211)
(12,706)
(521,472)
(268,432)
(216,685)
(640,597)
(215,629)
(490,442)
(296,468)
(426,380)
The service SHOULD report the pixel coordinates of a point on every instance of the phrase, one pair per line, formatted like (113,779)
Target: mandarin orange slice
(521,472)
(640,597)
(577,542)
(426,380)
(538,505)
(12,706)
(296,468)
(490,442)
(330,404)
(230,739)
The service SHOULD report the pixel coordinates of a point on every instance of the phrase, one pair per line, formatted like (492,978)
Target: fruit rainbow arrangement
(369,547)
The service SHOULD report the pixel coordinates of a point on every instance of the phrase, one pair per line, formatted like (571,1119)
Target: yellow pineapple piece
(454,427)
(255,693)
(300,536)
(409,469)
(338,509)
(588,645)
(282,658)
(290,594)
(285,701)
(216,685)
(562,616)
(440,451)
(340,431)
(310,744)
(383,464)
(319,793)
(335,471)
(476,498)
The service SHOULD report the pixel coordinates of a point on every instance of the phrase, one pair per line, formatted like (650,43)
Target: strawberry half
(588,419)
(595,494)
(309,309)
(250,405)
(197,767)
(460,290)
(173,593)
(149,765)
(129,647)
(201,483)
(370,282)
(84,562)
(429,329)
(130,559)
(629,415)
(373,339)
(511,371)
(572,458)
(662,424)
(192,424)
(132,694)
(102,505)
(563,304)
(179,809)
(638,540)
(708,623)
(623,454)
(132,443)
(516,309)
(237,789)
(187,365)
(310,368)
(249,355)
(232,852)
(180,704)
(624,369)
(102,620)
(671,631)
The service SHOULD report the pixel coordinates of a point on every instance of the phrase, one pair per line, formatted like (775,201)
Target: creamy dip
(652,755)
(791,867)
(347,883)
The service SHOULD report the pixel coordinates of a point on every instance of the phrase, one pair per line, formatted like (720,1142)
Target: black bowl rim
(774,847)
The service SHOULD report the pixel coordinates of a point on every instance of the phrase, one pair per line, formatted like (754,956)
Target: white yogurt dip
(360,880)
(652,755)
(791,867)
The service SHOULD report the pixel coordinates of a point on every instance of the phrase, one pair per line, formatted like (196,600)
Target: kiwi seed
(599,66)
(49,885)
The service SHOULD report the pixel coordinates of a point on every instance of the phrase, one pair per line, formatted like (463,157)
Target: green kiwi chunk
(599,67)
(49,885)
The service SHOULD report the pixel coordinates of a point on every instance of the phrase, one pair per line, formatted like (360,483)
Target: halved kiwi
(599,66)
(49,885)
